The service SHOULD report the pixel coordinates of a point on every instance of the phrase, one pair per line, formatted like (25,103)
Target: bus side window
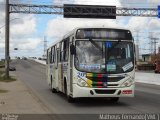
(58,55)
(66,49)
(50,57)
(61,51)
(53,54)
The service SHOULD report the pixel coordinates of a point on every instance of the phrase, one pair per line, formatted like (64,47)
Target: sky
(27,31)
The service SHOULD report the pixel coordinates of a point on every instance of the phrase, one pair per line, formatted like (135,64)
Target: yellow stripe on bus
(89,82)
(89,74)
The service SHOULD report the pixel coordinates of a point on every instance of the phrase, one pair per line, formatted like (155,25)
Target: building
(146,57)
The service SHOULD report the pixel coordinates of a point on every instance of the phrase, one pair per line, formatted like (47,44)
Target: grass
(1,63)
(3,78)
(1,72)
(3,91)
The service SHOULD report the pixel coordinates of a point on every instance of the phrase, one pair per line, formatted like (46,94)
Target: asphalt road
(146,100)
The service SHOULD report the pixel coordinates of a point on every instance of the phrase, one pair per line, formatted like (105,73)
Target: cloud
(26,44)
(153,3)
(87,2)
(95,2)
(137,23)
(1,1)
(21,26)
(133,3)
(154,24)
(61,2)
(24,25)
(2,14)
(60,26)
(1,45)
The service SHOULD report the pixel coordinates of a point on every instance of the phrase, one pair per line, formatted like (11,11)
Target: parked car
(34,57)
(39,58)
(11,68)
(24,58)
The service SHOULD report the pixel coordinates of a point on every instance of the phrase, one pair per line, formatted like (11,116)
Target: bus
(93,62)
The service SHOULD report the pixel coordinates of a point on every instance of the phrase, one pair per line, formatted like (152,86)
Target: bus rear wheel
(53,89)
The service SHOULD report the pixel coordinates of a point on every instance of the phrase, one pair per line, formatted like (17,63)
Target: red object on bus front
(127,92)
(157,66)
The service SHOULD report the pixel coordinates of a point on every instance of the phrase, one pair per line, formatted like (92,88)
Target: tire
(53,89)
(114,99)
(69,98)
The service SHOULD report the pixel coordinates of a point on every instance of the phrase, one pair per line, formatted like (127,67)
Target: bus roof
(73,32)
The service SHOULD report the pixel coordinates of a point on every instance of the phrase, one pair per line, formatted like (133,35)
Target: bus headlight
(128,83)
(82,82)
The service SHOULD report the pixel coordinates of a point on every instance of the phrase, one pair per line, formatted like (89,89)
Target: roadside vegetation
(3,77)
(2,63)
(2,74)
(3,91)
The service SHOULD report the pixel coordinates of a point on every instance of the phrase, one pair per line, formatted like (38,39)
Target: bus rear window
(103,33)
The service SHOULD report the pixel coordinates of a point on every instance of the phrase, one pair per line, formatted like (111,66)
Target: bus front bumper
(102,92)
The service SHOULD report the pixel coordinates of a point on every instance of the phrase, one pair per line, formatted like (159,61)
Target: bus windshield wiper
(96,45)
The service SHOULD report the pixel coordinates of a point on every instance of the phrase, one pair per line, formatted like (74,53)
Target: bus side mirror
(72,49)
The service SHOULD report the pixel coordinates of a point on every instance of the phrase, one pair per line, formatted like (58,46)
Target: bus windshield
(104,56)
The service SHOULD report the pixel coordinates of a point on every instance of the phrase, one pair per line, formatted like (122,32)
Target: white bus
(93,62)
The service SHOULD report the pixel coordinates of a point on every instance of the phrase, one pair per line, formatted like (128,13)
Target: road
(146,100)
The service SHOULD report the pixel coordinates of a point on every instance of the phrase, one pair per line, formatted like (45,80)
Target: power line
(45,48)
(153,43)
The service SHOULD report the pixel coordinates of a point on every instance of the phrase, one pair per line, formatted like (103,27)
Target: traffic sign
(89,11)
(159,11)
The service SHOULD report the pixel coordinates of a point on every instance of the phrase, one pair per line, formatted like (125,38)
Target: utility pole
(153,44)
(7,58)
(45,48)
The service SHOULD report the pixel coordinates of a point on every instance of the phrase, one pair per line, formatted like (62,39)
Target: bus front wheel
(69,98)
(114,99)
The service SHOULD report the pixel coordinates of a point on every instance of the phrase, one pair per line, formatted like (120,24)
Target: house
(146,57)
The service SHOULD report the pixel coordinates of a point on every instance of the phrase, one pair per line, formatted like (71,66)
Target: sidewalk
(19,99)
(147,77)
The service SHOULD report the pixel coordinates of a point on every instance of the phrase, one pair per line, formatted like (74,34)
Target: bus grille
(101,80)
(105,91)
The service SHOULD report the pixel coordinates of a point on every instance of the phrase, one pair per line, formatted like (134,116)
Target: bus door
(59,70)
(54,67)
(71,65)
